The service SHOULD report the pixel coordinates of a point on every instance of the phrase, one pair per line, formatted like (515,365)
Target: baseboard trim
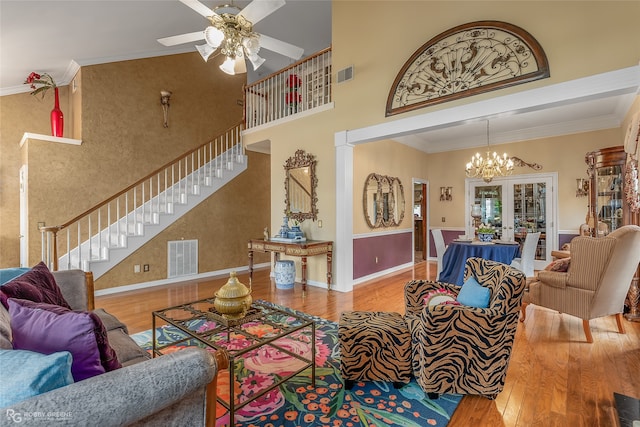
(382,273)
(162,282)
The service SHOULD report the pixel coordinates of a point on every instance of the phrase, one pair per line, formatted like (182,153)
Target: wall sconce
(165,95)
(582,187)
(446,194)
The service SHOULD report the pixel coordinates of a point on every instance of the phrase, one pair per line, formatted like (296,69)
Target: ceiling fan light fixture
(205,51)
(256,61)
(213,36)
(251,45)
(239,65)
(228,66)
(231,34)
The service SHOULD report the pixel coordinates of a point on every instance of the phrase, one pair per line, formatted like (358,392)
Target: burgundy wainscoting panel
(447,235)
(564,238)
(390,250)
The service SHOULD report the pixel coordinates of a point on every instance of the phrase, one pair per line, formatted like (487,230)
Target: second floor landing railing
(89,236)
(300,87)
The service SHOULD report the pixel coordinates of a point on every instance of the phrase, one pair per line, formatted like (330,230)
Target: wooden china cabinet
(607,207)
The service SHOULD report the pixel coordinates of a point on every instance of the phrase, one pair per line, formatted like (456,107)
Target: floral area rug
(297,403)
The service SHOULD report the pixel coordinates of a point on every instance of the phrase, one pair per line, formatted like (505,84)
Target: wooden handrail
(201,158)
(135,184)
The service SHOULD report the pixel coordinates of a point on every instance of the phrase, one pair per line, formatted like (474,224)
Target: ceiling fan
(231,32)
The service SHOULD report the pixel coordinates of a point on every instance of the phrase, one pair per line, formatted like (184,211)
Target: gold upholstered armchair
(597,281)
(460,348)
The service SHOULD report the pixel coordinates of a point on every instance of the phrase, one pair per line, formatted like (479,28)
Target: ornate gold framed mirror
(383,201)
(300,184)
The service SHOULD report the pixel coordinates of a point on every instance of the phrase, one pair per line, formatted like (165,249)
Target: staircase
(106,234)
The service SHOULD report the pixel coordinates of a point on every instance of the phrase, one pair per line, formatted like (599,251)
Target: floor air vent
(182,258)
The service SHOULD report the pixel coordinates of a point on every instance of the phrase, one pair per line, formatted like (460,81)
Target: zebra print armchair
(460,349)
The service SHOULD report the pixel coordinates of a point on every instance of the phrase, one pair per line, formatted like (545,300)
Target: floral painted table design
(266,348)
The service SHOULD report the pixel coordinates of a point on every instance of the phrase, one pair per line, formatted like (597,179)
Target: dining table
(457,253)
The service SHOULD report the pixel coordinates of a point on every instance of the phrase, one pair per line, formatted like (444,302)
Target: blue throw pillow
(29,374)
(473,294)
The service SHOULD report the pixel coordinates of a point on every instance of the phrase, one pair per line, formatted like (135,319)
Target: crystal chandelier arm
(491,166)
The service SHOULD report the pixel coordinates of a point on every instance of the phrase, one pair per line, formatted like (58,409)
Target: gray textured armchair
(597,281)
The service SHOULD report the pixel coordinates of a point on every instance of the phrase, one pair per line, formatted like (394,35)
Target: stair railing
(107,225)
(302,86)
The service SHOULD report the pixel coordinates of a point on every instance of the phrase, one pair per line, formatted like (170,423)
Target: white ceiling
(46,36)
(58,36)
(545,121)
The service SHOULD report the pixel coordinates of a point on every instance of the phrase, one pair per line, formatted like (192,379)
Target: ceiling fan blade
(278,46)
(182,38)
(198,7)
(260,9)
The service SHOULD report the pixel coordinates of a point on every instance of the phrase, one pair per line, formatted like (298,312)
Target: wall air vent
(182,259)
(345,74)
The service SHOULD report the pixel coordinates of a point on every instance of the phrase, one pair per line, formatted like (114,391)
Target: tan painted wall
(315,138)
(222,224)
(123,140)
(400,161)
(564,155)
(579,38)
(19,114)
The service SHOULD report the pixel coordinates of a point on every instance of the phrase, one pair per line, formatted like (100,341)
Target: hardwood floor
(555,378)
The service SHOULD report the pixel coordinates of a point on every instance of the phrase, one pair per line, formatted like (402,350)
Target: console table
(302,249)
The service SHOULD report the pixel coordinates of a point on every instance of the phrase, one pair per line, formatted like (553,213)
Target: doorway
(515,206)
(420,221)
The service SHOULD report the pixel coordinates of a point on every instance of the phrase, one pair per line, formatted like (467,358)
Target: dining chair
(438,240)
(528,255)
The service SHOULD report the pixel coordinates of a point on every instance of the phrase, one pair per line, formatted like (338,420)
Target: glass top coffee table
(265,348)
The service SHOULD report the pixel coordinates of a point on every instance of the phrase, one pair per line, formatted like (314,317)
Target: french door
(516,206)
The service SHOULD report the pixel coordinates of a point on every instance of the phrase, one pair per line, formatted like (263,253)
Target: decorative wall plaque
(467,60)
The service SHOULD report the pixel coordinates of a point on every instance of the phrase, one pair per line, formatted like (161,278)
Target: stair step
(131,231)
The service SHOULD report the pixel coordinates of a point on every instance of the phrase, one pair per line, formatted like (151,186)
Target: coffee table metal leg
(232,399)
(313,354)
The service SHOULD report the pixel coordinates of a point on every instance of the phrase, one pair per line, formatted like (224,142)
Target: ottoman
(374,346)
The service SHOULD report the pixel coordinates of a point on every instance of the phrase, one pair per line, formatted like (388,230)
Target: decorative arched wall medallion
(467,60)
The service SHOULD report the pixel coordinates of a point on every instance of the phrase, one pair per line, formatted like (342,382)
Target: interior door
(517,206)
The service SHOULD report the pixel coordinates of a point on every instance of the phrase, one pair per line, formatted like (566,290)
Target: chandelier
(492,165)
(233,35)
